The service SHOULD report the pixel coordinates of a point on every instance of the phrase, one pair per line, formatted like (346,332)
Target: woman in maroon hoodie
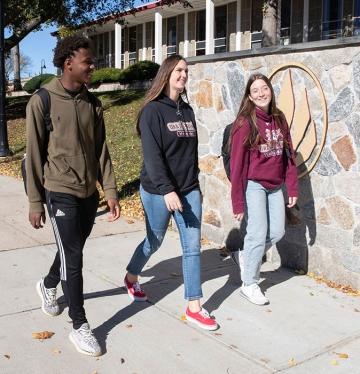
(262,160)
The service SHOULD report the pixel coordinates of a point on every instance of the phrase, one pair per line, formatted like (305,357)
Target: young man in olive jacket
(63,166)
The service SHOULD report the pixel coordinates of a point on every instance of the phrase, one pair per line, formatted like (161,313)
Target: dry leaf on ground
(342,355)
(42,335)
(56,351)
(128,326)
(7,356)
(292,362)
(183,317)
(122,360)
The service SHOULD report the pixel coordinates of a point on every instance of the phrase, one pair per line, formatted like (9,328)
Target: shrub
(47,80)
(36,82)
(142,70)
(106,75)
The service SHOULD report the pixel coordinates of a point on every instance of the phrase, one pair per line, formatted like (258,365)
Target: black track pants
(72,219)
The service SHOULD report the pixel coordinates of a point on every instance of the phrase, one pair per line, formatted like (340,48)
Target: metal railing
(132,58)
(200,47)
(220,45)
(171,50)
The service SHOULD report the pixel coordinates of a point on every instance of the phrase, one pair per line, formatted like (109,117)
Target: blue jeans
(189,224)
(265,226)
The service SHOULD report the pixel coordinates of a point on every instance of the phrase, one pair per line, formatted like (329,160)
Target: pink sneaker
(134,290)
(202,319)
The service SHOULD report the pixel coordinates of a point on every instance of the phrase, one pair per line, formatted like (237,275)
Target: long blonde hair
(159,83)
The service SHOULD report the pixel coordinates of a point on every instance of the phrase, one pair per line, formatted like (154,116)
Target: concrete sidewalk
(303,330)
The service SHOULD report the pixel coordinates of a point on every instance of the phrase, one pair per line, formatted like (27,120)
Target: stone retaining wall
(327,241)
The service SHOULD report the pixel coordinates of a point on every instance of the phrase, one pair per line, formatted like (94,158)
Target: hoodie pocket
(74,170)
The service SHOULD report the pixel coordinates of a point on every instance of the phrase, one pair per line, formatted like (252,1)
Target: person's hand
(292,202)
(239,216)
(173,202)
(36,218)
(114,208)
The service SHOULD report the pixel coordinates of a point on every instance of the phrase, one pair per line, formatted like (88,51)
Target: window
(200,32)
(171,31)
(220,28)
(285,22)
(256,23)
(132,39)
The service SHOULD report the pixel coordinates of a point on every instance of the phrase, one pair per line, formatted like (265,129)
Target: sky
(39,45)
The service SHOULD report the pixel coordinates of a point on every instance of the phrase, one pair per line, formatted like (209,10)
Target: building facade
(153,32)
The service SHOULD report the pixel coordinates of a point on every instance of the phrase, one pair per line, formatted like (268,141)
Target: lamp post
(42,67)
(4,145)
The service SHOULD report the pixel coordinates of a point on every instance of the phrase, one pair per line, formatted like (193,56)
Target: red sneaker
(134,290)
(202,319)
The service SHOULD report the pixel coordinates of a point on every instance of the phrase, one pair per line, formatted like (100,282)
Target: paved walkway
(304,329)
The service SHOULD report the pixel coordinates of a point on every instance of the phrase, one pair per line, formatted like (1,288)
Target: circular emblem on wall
(301,98)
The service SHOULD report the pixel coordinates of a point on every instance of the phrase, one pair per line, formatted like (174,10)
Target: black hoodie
(169,142)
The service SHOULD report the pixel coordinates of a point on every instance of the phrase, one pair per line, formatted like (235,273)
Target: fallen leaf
(56,351)
(128,326)
(122,360)
(183,317)
(342,355)
(130,221)
(356,310)
(205,241)
(334,362)
(300,272)
(292,362)
(7,356)
(268,310)
(42,335)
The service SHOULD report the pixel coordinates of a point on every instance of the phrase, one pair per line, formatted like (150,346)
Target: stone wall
(327,241)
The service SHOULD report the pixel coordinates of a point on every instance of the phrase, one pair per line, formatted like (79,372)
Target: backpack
(46,101)
(225,149)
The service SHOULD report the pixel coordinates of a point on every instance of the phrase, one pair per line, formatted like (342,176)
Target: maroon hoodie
(267,163)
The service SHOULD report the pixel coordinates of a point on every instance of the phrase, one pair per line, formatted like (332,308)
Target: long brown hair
(247,113)
(159,83)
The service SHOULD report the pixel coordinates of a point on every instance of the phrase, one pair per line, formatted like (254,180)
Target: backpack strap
(45,99)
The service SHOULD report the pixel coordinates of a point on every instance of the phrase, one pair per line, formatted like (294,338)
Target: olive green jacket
(77,155)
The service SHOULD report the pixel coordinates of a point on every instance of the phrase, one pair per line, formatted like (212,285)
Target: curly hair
(65,48)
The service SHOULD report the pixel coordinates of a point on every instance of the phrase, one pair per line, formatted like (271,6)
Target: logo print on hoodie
(274,143)
(182,129)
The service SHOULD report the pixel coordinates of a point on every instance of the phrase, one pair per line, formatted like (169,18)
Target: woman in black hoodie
(169,183)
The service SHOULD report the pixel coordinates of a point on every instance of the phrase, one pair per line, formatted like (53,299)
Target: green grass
(121,109)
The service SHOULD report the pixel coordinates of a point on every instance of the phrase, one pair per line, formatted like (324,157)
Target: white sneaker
(85,341)
(254,294)
(49,304)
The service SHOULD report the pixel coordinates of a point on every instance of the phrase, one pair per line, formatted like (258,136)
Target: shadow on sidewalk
(167,277)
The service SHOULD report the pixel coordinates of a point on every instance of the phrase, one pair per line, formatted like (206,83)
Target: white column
(306,21)
(186,34)
(144,42)
(158,38)
(118,50)
(110,51)
(238,26)
(209,43)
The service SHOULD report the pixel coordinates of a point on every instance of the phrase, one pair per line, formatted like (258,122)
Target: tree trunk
(15,54)
(270,21)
